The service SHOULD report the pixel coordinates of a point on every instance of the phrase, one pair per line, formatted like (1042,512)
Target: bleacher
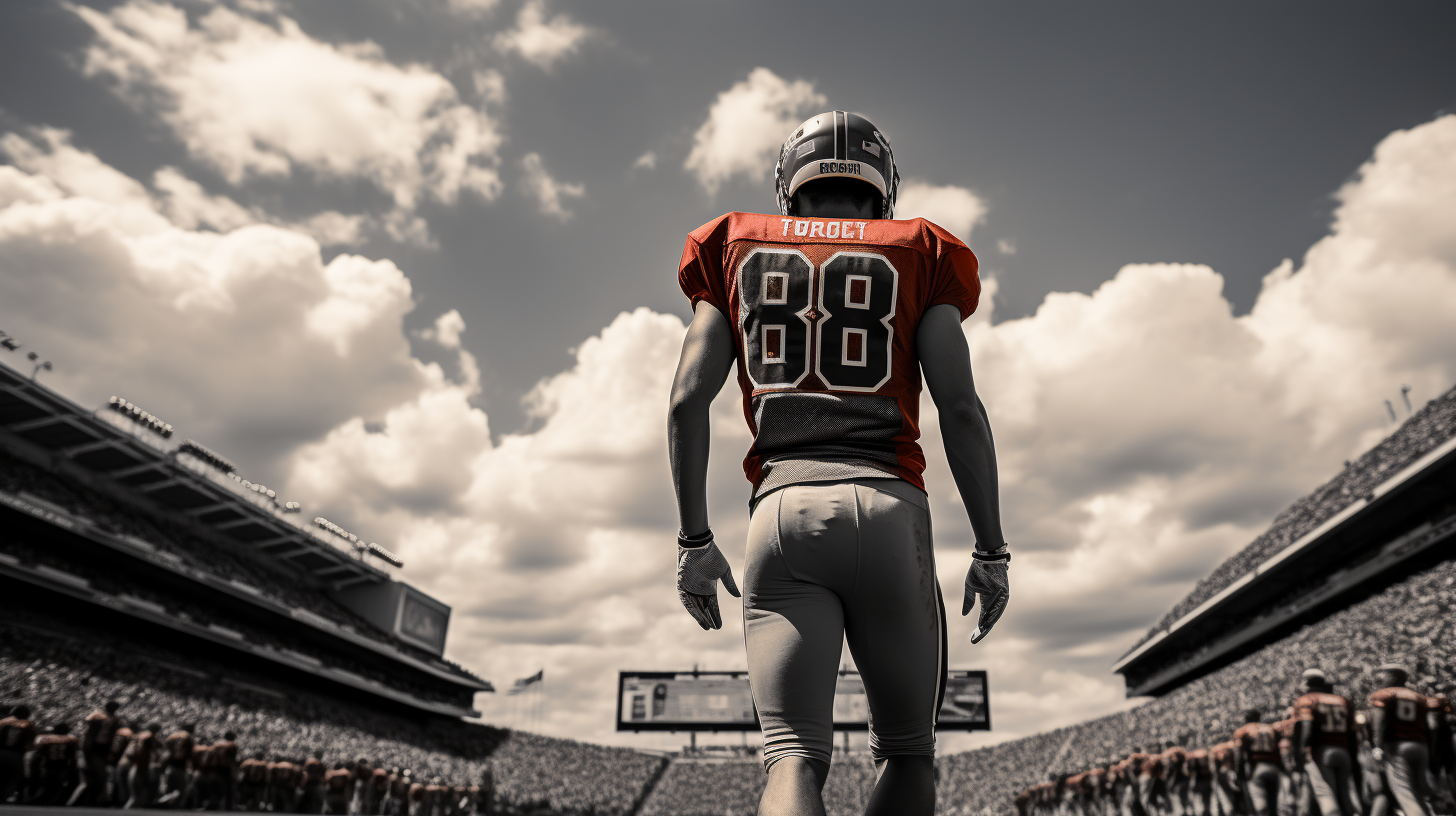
(63,672)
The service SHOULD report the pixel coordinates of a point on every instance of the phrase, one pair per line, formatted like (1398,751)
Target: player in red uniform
(176,761)
(1398,728)
(99,728)
(53,766)
(1443,752)
(118,768)
(253,782)
(336,789)
(832,312)
(138,758)
(1324,738)
(1175,778)
(1199,765)
(1227,788)
(314,768)
(1259,763)
(17,735)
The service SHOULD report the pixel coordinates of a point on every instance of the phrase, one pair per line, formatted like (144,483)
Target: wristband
(700,540)
(1000,554)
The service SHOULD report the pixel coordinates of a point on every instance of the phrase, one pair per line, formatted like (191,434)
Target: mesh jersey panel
(824,313)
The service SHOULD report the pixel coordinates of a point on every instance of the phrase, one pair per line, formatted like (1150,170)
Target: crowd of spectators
(1426,429)
(63,674)
(1413,620)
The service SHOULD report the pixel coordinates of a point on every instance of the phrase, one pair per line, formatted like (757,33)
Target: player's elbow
(686,404)
(962,413)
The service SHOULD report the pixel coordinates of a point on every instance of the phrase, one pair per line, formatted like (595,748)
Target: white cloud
(540,41)
(252,98)
(473,8)
(1006,246)
(447,329)
(746,126)
(246,339)
(545,190)
(1144,431)
(189,206)
(954,208)
(646,161)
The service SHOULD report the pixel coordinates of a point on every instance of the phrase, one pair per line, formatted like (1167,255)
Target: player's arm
(707,357)
(1377,731)
(945,360)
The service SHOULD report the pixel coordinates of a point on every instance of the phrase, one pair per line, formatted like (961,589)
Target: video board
(722,701)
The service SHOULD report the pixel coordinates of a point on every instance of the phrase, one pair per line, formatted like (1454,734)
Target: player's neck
(835,206)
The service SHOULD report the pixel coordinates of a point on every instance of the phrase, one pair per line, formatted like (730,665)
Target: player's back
(1260,740)
(824,313)
(1331,714)
(1405,712)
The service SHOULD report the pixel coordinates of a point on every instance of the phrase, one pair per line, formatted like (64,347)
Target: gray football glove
(986,580)
(698,572)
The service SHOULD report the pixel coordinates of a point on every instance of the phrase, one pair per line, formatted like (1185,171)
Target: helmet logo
(870,147)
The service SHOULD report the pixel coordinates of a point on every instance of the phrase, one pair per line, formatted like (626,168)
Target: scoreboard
(722,701)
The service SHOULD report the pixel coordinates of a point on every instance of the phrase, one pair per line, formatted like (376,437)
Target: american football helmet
(837,144)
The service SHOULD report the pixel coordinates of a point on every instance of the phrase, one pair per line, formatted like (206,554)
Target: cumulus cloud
(547,192)
(245,338)
(954,208)
(540,41)
(646,161)
(746,126)
(255,98)
(1144,431)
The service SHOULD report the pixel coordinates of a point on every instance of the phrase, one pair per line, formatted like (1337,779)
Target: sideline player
(1398,728)
(1324,724)
(1257,751)
(832,312)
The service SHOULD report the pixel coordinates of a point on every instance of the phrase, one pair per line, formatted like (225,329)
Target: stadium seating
(1432,425)
(1413,621)
(63,675)
(193,549)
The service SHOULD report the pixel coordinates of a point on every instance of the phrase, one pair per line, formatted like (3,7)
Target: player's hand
(1378,754)
(698,572)
(986,580)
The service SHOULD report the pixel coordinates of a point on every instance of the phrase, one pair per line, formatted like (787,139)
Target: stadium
(141,568)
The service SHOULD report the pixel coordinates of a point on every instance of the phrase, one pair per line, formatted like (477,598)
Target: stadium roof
(1388,507)
(166,472)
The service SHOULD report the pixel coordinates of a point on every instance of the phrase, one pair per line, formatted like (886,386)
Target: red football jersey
(1260,740)
(1405,711)
(824,313)
(1332,715)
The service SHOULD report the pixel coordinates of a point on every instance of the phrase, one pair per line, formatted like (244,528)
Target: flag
(526,682)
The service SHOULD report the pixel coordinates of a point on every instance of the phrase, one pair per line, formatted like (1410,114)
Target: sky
(413,265)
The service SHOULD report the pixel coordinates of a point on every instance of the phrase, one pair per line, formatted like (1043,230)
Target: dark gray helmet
(837,144)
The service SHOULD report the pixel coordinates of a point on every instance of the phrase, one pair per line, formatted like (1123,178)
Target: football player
(314,769)
(99,728)
(54,768)
(1257,756)
(176,760)
(1324,738)
(17,735)
(1200,782)
(140,752)
(833,312)
(1398,728)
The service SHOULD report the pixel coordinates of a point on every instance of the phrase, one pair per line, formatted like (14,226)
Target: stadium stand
(62,672)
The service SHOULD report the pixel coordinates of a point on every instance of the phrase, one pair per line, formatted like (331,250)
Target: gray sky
(413,265)
(1098,134)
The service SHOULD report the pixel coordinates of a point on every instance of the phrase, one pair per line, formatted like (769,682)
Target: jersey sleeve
(957,279)
(700,273)
(1377,700)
